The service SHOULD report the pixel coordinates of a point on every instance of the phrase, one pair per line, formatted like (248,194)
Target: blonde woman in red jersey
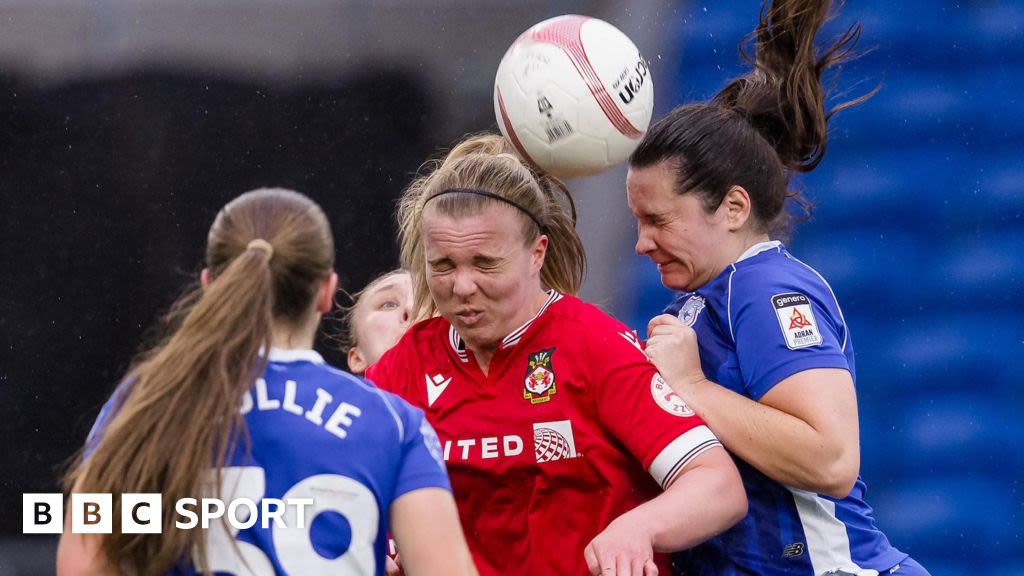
(568,453)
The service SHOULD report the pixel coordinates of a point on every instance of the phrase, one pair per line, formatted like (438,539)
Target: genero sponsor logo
(665,397)
(796,319)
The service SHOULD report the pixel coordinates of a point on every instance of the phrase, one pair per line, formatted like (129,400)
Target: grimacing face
(675,231)
(482,274)
(383,314)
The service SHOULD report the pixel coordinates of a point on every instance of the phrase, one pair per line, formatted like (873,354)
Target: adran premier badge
(796,320)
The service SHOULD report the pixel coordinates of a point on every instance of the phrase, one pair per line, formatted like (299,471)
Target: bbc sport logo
(143,513)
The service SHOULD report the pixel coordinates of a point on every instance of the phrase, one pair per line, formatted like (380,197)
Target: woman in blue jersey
(755,342)
(236,385)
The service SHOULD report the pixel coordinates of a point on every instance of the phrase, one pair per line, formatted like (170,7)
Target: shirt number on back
(295,552)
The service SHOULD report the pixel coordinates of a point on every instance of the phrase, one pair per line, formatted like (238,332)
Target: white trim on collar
(284,355)
(455,340)
(758,248)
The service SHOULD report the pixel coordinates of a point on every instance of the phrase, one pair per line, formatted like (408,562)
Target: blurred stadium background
(124,125)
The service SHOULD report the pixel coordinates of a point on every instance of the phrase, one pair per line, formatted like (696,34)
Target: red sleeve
(636,405)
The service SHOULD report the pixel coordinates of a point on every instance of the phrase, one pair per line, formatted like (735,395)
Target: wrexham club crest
(540,377)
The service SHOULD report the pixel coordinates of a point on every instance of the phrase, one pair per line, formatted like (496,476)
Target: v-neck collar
(513,338)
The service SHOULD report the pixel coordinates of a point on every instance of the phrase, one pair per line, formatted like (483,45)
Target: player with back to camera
(208,393)
(568,454)
(769,361)
(379,316)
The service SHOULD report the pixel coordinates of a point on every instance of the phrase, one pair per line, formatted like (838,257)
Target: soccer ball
(573,95)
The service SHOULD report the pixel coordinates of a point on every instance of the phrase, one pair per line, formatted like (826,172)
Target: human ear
(356,363)
(325,297)
(540,250)
(737,207)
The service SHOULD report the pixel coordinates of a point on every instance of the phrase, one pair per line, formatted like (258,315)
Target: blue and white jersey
(321,434)
(763,319)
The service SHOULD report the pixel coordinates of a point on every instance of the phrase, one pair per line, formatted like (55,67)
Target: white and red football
(574,95)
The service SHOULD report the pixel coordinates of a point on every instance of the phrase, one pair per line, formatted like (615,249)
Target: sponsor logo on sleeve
(539,385)
(796,319)
(668,400)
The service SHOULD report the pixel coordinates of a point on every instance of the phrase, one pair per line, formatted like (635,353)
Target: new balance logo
(793,550)
(435,386)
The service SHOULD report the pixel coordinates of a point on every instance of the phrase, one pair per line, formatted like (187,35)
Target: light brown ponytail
(178,410)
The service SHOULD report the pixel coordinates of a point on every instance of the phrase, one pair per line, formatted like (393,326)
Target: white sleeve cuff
(680,452)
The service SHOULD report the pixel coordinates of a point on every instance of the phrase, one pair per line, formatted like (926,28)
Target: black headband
(492,195)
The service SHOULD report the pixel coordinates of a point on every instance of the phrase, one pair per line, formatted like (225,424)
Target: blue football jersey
(320,434)
(764,318)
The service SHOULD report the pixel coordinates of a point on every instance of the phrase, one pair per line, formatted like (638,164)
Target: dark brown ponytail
(763,126)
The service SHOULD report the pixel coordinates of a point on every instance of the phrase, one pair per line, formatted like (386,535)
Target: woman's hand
(672,347)
(622,549)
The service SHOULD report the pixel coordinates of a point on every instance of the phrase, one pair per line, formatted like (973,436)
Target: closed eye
(486,263)
(440,265)
(655,219)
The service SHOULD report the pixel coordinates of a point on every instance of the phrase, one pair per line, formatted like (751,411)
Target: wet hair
(177,412)
(763,126)
(488,163)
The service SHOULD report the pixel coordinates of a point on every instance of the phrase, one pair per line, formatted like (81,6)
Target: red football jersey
(571,427)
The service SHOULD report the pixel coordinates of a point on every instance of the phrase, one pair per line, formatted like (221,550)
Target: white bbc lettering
(484,448)
(92,513)
(338,423)
(42,513)
(141,513)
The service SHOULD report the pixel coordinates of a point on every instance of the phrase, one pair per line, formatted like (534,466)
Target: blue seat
(984,268)
(950,517)
(948,567)
(940,432)
(867,267)
(895,189)
(1009,567)
(960,351)
(946,433)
